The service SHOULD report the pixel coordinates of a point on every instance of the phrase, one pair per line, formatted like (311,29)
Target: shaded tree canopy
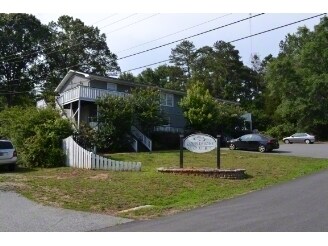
(183,56)
(73,45)
(21,39)
(297,81)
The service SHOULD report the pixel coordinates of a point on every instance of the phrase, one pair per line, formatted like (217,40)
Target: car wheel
(307,141)
(286,141)
(232,147)
(261,148)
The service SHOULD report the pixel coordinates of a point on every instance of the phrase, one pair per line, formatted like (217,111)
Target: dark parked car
(299,138)
(257,142)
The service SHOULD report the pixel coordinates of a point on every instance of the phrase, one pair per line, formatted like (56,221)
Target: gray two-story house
(78,91)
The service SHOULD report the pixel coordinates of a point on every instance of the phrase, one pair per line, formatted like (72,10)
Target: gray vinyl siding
(175,113)
(75,81)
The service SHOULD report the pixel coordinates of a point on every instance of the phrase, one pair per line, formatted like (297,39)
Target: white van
(8,155)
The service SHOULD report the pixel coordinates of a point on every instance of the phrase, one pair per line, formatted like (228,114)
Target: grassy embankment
(112,192)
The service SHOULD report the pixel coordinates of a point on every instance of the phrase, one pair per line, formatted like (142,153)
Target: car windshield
(6,145)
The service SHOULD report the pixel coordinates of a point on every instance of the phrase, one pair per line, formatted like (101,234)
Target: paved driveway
(18,214)
(316,150)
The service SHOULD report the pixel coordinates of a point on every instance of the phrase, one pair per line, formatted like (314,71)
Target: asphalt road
(295,206)
(18,214)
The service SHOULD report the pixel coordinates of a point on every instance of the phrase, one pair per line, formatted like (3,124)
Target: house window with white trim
(167,99)
(111,87)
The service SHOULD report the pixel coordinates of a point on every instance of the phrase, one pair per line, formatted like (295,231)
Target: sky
(131,33)
(144,24)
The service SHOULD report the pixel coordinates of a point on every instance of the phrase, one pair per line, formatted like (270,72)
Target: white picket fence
(78,157)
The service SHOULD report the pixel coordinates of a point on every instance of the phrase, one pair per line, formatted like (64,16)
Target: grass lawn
(112,192)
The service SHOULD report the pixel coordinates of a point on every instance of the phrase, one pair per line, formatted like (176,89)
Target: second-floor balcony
(86,93)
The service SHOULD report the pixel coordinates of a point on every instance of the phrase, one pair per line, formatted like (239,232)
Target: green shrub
(281,131)
(37,135)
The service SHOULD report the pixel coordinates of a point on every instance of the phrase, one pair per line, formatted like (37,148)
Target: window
(167,99)
(111,87)
(246,137)
(167,121)
(6,145)
(255,138)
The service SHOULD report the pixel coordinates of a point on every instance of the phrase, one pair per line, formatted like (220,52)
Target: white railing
(64,114)
(141,137)
(86,93)
(168,129)
(78,157)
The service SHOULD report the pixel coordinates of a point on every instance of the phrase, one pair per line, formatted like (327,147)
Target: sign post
(181,151)
(218,142)
(200,143)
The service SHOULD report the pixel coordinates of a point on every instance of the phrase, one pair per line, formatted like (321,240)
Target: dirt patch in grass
(101,176)
(11,186)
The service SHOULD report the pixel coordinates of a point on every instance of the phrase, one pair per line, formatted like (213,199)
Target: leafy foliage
(146,109)
(37,135)
(183,56)
(21,39)
(114,122)
(170,77)
(204,113)
(81,48)
(117,115)
(297,80)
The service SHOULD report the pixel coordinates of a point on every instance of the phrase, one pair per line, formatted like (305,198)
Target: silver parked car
(8,155)
(299,138)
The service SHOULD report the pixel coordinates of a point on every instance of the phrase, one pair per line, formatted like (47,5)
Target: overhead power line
(118,20)
(19,57)
(192,36)
(183,30)
(104,19)
(123,27)
(51,52)
(272,29)
(275,28)
(239,39)
(146,65)
(15,92)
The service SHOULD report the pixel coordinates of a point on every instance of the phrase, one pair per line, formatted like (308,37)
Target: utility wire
(118,21)
(15,92)
(15,59)
(104,19)
(192,36)
(272,29)
(146,66)
(123,27)
(239,39)
(4,58)
(275,28)
(172,33)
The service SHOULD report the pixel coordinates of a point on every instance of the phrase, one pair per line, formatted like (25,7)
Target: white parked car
(8,155)
(299,138)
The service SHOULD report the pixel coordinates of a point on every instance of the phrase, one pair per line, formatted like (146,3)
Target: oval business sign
(199,143)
